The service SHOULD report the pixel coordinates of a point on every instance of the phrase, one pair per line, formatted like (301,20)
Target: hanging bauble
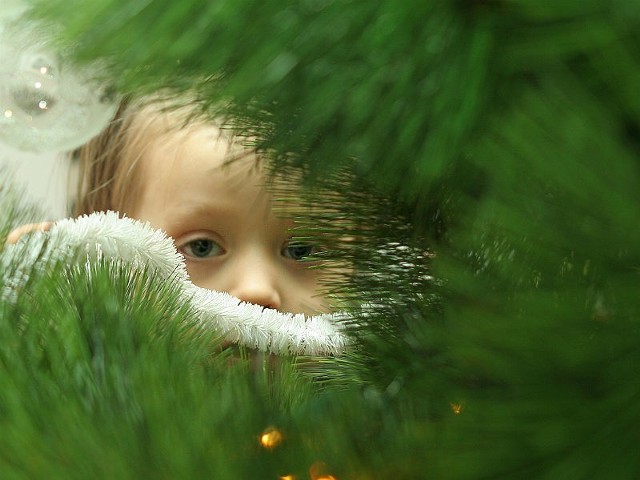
(46,104)
(12,9)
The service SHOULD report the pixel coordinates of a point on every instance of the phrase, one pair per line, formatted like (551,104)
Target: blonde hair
(103,166)
(108,164)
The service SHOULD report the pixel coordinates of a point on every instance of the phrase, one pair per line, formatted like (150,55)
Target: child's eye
(201,248)
(298,251)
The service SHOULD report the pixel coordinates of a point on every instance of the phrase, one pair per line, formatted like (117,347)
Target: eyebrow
(192,209)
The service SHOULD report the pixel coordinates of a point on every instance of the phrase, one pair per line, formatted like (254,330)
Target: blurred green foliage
(486,153)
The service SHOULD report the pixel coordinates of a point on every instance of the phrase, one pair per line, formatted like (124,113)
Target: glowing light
(457,408)
(44,70)
(288,477)
(38,84)
(8,114)
(318,471)
(42,104)
(271,438)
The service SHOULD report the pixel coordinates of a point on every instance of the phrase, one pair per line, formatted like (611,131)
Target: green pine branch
(500,137)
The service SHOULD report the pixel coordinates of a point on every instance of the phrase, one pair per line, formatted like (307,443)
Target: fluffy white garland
(107,235)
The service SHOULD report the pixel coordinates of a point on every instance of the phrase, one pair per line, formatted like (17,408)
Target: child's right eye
(201,248)
(298,251)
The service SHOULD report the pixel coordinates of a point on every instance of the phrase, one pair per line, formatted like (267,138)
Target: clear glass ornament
(45,104)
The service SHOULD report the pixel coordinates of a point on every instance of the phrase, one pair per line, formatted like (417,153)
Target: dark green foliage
(501,136)
(104,375)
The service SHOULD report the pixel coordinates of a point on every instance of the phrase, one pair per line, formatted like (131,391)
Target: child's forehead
(179,136)
(175,124)
(153,130)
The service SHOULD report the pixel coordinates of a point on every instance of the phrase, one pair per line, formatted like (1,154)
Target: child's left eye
(298,251)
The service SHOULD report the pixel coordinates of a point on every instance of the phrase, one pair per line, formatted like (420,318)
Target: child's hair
(108,164)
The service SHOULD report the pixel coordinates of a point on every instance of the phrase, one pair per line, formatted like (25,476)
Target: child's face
(220,217)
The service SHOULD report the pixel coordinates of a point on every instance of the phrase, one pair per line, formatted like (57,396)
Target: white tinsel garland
(106,235)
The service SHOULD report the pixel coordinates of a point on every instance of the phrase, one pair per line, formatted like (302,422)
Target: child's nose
(257,283)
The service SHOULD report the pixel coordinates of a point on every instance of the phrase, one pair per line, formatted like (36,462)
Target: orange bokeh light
(271,438)
(318,471)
